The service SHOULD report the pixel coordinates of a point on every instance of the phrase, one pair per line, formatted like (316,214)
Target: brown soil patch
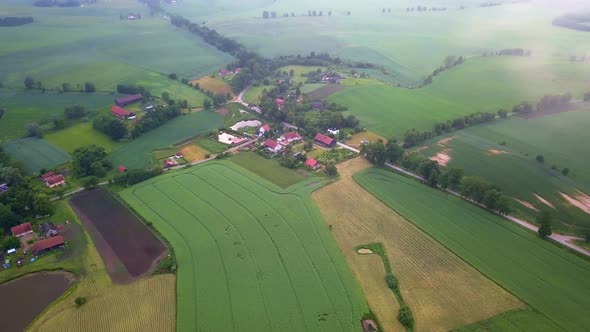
(443,142)
(325,91)
(443,291)
(526,204)
(496,152)
(580,200)
(25,298)
(442,157)
(364,251)
(356,139)
(129,249)
(193,153)
(544,201)
(214,85)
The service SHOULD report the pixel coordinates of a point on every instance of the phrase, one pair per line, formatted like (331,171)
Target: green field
(79,135)
(548,278)
(481,84)
(269,169)
(251,256)
(137,153)
(211,145)
(35,154)
(25,107)
(513,321)
(513,166)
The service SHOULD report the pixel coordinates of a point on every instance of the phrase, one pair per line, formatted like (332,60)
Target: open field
(477,150)
(24,107)
(269,169)
(325,91)
(388,110)
(36,154)
(517,320)
(79,135)
(443,291)
(137,153)
(262,253)
(119,236)
(515,258)
(25,298)
(193,152)
(211,145)
(356,139)
(215,85)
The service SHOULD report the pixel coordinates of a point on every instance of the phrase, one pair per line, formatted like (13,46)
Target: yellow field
(215,85)
(193,152)
(365,135)
(443,291)
(146,305)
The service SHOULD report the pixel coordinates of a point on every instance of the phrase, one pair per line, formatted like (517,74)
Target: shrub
(80,301)
(405,316)
(391,281)
(540,158)
(565,171)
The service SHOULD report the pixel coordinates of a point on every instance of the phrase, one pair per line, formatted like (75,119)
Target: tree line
(450,62)
(30,84)
(66,3)
(578,22)
(12,21)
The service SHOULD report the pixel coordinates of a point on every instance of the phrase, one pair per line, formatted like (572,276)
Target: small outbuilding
(312,164)
(48,229)
(45,245)
(121,169)
(22,230)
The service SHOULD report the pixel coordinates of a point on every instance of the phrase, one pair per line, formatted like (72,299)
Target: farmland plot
(262,253)
(513,257)
(443,291)
(36,154)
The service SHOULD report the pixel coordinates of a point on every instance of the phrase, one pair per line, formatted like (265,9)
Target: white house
(333,131)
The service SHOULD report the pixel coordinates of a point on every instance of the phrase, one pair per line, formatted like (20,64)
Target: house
(169,163)
(48,229)
(238,70)
(312,163)
(121,169)
(280,103)
(272,146)
(47,175)
(334,131)
(224,72)
(3,188)
(290,137)
(178,155)
(55,181)
(324,140)
(22,230)
(45,245)
(128,100)
(264,129)
(122,113)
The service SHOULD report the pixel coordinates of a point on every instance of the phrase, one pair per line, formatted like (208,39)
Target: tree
(42,205)
(34,130)
(80,301)
(74,112)
(173,76)
(10,175)
(491,198)
(90,182)
(474,187)
(11,242)
(85,157)
(540,158)
(393,151)
(265,14)
(65,87)
(405,316)
(502,113)
(565,171)
(391,281)
(29,83)
(331,169)
(8,218)
(89,87)
(544,219)
(587,96)
(273,14)
(165,96)
(207,104)
(504,205)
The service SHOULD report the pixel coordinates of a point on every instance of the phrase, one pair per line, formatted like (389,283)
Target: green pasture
(252,96)
(514,321)
(79,135)
(251,256)
(137,153)
(35,154)
(211,145)
(548,278)
(269,169)
(25,107)
(561,138)
(481,84)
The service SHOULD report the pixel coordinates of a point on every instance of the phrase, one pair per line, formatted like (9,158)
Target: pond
(23,299)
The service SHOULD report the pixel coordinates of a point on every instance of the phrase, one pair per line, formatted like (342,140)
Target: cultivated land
(80,135)
(513,167)
(36,154)
(269,169)
(443,291)
(137,153)
(480,84)
(215,85)
(515,258)
(120,237)
(264,254)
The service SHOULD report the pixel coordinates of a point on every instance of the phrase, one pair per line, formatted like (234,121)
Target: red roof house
(291,136)
(22,229)
(55,181)
(130,99)
(272,146)
(122,113)
(280,103)
(47,244)
(122,169)
(324,140)
(178,155)
(265,128)
(169,163)
(47,175)
(312,163)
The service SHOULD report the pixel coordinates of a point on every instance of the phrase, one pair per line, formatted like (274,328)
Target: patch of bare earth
(443,142)
(580,200)
(442,157)
(544,201)
(443,291)
(496,152)
(527,204)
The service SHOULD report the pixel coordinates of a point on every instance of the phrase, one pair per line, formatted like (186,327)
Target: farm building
(121,169)
(3,188)
(312,163)
(128,100)
(122,113)
(280,103)
(224,72)
(226,138)
(290,137)
(47,175)
(324,140)
(178,155)
(272,146)
(54,181)
(46,245)
(22,230)
(169,163)
(264,129)
(48,229)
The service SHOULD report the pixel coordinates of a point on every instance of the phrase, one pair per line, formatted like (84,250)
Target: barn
(45,245)
(325,140)
(127,100)
(122,113)
(22,230)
